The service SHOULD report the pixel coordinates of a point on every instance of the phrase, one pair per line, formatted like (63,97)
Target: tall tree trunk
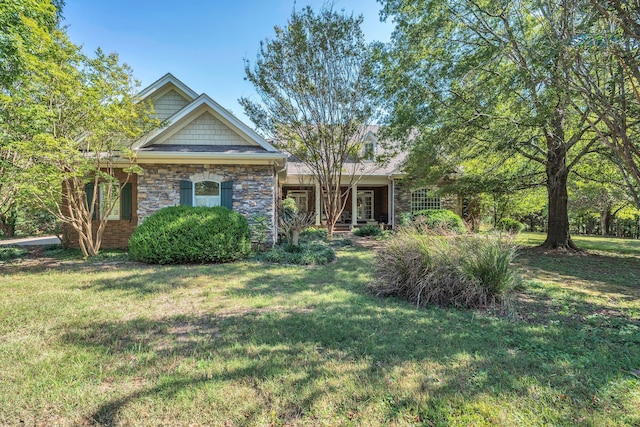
(605,222)
(558,236)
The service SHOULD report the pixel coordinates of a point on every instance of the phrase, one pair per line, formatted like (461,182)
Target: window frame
(422,199)
(304,193)
(193,193)
(116,214)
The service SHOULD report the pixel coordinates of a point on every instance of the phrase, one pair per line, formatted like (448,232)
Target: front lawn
(589,242)
(111,342)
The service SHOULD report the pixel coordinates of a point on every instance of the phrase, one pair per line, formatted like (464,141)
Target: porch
(372,204)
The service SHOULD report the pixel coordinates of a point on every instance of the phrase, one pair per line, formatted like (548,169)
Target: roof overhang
(277,159)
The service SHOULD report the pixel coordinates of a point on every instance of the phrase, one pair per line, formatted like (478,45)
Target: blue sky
(203,43)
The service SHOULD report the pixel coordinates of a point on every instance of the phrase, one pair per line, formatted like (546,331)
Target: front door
(301,199)
(365,205)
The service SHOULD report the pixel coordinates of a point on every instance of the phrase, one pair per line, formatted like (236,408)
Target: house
(379,192)
(202,155)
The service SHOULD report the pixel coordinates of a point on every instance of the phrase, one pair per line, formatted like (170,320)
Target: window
(115,200)
(369,148)
(368,151)
(301,199)
(424,199)
(206,193)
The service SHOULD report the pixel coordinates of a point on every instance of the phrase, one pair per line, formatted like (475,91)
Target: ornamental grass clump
(315,252)
(445,269)
(187,235)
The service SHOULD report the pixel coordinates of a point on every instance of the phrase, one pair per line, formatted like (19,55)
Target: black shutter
(226,194)
(186,193)
(126,202)
(88,189)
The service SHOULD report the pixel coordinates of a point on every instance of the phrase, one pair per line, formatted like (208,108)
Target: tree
(489,80)
(606,78)
(24,26)
(313,80)
(69,120)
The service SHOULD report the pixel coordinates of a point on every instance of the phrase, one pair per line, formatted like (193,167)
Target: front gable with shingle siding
(169,103)
(204,129)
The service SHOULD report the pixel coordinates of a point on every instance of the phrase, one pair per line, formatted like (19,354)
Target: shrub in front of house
(9,253)
(510,225)
(438,219)
(312,233)
(368,230)
(185,235)
(447,270)
(314,252)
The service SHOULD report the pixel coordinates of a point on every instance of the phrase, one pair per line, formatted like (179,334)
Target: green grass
(121,343)
(592,243)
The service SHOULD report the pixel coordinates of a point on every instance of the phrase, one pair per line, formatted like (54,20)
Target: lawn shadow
(593,272)
(469,354)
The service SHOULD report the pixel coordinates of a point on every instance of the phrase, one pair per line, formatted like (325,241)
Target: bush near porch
(436,219)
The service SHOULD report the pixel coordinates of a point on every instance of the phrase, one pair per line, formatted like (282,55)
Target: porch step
(342,227)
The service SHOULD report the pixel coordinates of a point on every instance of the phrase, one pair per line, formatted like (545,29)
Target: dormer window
(368,151)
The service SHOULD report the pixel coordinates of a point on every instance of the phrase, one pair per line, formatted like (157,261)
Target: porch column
(389,204)
(318,206)
(354,205)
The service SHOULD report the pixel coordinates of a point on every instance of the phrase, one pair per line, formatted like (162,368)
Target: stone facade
(254,187)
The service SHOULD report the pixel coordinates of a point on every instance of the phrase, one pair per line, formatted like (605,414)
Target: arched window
(424,198)
(206,193)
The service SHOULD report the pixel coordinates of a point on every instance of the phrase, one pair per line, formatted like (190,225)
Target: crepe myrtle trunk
(558,236)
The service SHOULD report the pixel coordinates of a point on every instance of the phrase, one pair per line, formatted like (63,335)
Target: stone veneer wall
(402,201)
(254,187)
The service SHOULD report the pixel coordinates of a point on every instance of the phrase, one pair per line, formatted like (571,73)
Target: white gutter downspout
(392,196)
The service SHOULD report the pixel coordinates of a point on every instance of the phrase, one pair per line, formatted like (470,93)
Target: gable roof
(391,167)
(151,145)
(204,102)
(163,82)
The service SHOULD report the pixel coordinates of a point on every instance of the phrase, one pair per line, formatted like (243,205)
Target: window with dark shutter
(126,201)
(88,189)
(226,194)
(186,193)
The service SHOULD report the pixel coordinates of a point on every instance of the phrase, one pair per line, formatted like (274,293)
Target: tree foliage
(25,26)
(68,120)
(606,78)
(313,79)
(490,80)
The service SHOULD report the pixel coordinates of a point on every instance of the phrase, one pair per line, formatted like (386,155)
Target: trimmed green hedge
(510,225)
(185,234)
(440,218)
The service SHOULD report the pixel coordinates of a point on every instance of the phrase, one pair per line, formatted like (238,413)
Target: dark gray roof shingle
(228,149)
